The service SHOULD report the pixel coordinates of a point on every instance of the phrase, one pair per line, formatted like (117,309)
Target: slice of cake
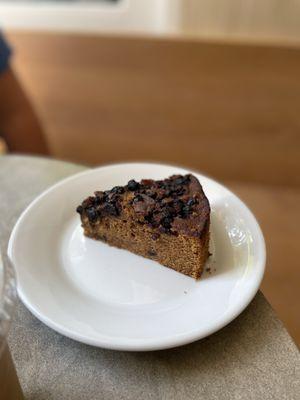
(166,220)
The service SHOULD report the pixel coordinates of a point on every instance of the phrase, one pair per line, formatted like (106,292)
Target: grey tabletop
(251,358)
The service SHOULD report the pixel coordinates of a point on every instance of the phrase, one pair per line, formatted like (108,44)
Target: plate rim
(140,344)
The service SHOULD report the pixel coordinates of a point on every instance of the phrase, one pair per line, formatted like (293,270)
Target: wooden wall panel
(232,111)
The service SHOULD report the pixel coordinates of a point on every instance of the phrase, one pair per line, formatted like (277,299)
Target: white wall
(258,20)
(143,16)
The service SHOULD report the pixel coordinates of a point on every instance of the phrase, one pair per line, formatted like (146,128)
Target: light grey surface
(252,358)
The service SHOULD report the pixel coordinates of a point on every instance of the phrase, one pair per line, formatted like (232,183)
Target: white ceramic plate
(111,298)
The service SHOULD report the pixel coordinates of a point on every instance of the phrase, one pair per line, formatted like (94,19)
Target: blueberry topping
(118,190)
(110,209)
(137,198)
(162,229)
(182,180)
(186,210)
(79,209)
(178,205)
(133,185)
(99,197)
(91,214)
(191,202)
(160,184)
(179,191)
(155,236)
(166,222)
